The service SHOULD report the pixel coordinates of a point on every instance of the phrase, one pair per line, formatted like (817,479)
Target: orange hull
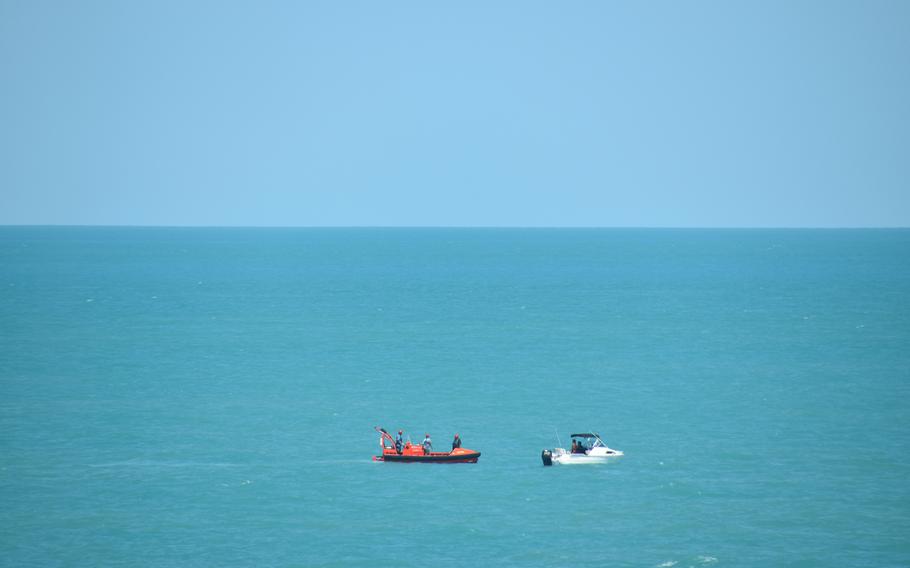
(415,454)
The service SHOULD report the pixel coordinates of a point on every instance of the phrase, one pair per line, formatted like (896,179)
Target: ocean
(207,397)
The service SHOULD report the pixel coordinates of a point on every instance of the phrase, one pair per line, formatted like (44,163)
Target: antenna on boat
(557,436)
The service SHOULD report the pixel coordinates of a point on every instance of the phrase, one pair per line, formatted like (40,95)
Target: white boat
(587,447)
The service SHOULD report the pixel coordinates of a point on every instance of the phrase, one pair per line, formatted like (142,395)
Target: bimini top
(586,435)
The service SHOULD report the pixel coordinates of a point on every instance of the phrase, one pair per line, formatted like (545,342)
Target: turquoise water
(206,397)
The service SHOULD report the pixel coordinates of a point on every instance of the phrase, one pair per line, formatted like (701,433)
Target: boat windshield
(589,440)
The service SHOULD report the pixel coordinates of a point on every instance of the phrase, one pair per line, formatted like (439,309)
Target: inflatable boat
(414,453)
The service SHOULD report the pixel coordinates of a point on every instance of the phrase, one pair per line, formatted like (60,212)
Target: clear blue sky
(598,113)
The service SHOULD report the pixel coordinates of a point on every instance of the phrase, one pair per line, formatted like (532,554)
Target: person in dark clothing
(399,441)
(456,443)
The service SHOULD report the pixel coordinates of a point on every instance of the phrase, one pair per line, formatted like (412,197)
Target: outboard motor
(547,457)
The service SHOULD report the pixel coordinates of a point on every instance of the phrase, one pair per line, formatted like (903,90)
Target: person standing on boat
(399,441)
(456,443)
(427,444)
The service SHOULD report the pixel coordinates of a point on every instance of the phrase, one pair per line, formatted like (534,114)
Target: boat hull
(430,458)
(570,459)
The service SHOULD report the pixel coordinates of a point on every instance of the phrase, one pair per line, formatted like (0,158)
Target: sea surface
(207,397)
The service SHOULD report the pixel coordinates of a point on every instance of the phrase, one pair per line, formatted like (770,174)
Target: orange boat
(413,453)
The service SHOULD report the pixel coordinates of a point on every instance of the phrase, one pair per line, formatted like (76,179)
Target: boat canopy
(586,435)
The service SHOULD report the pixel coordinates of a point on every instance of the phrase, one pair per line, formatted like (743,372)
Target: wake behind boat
(415,453)
(587,448)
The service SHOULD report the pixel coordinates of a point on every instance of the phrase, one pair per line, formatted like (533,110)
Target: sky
(531,114)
